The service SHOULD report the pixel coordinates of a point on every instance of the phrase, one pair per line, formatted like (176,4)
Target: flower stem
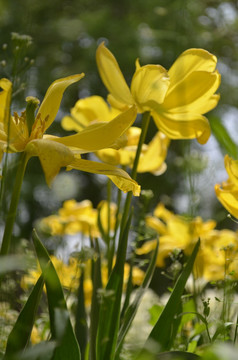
(14,203)
(122,245)
(144,128)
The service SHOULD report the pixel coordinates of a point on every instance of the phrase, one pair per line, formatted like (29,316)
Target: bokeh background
(65,35)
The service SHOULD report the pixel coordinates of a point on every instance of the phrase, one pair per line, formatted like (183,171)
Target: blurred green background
(65,35)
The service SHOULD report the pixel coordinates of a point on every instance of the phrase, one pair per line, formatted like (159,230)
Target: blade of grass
(81,327)
(132,309)
(223,137)
(56,300)
(109,315)
(21,332)
(95,306)
(162,331)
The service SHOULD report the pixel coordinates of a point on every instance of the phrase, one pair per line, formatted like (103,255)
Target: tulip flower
(26,133)
(94,109)
(227,192)
(176,99)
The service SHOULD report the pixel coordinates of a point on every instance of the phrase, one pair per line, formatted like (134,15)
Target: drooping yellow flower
(176,99)
(227,193)
(94,109)
(26,133)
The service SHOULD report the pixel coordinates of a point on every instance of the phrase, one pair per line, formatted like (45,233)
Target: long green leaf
(132,309)
(95,305)
(68,347)
(21,332)
(223,137)
(162,331)
(81,327)
(110,305)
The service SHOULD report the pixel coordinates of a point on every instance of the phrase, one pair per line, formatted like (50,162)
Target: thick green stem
(14,203)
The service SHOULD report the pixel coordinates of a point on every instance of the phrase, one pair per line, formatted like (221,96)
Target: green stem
(14,203)
(144,128)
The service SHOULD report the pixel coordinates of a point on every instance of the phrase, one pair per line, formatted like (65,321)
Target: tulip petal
(193,93)
(101,135)
(149,85)
(52,156)
(5,99)
(51,103)
(189,61)
(112,76)
(232,169)
(228,197)
(183,126)
(120,178)
(153,158)
(86,111)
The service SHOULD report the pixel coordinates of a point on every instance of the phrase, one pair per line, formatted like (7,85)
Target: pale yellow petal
(52,156)
(232,169)
(101,135)
(183,126)
(5,99)
(51,103)
(193,93)
(120,178)
(228,197)
(86,111)
(112,76)
(152,160)
(149,86)
(189,61)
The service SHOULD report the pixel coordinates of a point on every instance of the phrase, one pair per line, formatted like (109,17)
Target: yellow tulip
(93,110)
(176,99)
(227,193)
(26,133)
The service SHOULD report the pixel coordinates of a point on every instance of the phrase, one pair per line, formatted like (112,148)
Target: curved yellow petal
(228,197)
(232,169)
(120,178)
(193,93)
(149,85)
(189,61)
(152,160)
(5,99)
(112,76)
(183,126)
(52,156)
(101,135)
(86,111)
(51,103)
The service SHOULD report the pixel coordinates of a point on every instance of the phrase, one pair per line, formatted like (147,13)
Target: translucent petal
(193,93)
(112,76)
(120,178)
(149,85)
(189,61)
(183,126)
(51,103)
(101,135)
(52,156)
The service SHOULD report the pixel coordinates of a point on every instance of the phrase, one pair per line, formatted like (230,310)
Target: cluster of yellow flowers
(80,217)
(176,99)
(218,253)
